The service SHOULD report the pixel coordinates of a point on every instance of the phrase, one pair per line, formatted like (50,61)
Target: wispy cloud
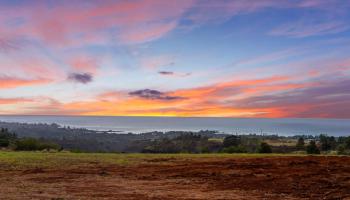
(7,45)
(328,99)
(14,82)
(304,29)
(131,21)
(14,100)
(170,73)
(84,64)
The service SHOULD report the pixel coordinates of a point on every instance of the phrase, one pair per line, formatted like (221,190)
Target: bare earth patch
(179,177)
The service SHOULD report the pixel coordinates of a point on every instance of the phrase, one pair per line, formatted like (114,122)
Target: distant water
(335,127)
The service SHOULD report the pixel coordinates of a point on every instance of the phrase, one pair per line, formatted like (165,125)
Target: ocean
(335,127)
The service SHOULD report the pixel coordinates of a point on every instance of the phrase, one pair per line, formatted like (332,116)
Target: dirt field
(173,177)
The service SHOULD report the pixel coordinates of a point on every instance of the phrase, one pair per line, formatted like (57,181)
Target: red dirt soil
(186,178)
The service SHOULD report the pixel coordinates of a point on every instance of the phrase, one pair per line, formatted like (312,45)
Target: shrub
(235,149)
(347,143)
(312,148)
(342,150)
(300,143)
(4,142)
(232,140)
(264,148)
(31,144)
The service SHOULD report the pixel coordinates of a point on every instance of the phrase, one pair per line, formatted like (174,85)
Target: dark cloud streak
(167,73)
(153,94)
(83,78)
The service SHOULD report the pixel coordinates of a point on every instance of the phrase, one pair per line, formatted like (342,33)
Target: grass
(29,160)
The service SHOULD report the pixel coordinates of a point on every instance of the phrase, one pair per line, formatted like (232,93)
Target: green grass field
(25,160)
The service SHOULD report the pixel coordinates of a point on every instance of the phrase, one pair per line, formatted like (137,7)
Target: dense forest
(22,136)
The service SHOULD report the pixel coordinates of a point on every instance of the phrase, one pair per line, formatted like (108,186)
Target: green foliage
(264,148)
(31,144)
(347,143)
(231,140)
(235,149)
(327,143)
(343,150)
(6,138)
(300,143)
(312,148)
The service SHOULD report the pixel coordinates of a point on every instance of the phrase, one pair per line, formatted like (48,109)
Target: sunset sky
(216,58)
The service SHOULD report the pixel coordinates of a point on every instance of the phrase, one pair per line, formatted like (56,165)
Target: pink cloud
(84,64)
(65,22)
(14,100)
(78,22)
(152,32)
(11,82)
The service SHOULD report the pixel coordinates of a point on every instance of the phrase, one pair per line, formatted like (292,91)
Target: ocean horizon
(123,124)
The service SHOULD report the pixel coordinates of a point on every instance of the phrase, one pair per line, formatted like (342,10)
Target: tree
(300,143)
(347,143)
(327,143)
(6,138)
(232,140)
(264,148)
(312,148)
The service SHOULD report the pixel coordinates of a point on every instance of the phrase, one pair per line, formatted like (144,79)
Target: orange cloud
(10,82)
(14,100)
(210,100)
(269,97)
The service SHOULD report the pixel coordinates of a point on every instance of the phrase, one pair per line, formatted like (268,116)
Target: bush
(232,140)
(4,142)
(235,149)
(31,144)
(342,150)
(300,143)
(347,143)
(264,148)
(312,148)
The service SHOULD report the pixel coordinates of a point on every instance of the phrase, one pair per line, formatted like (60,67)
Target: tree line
(21,136)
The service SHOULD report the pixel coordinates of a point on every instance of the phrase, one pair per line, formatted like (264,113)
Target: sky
(187,58)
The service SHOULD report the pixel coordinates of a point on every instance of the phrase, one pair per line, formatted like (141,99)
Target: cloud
(141,34)
(268,97)
(153,94)
(131,22)
(326,99)
(78,22)
(170,73)
(166,73)
(84,63)
(83,78)
(306,29)
(14,82)
(14,100)
(7,45)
